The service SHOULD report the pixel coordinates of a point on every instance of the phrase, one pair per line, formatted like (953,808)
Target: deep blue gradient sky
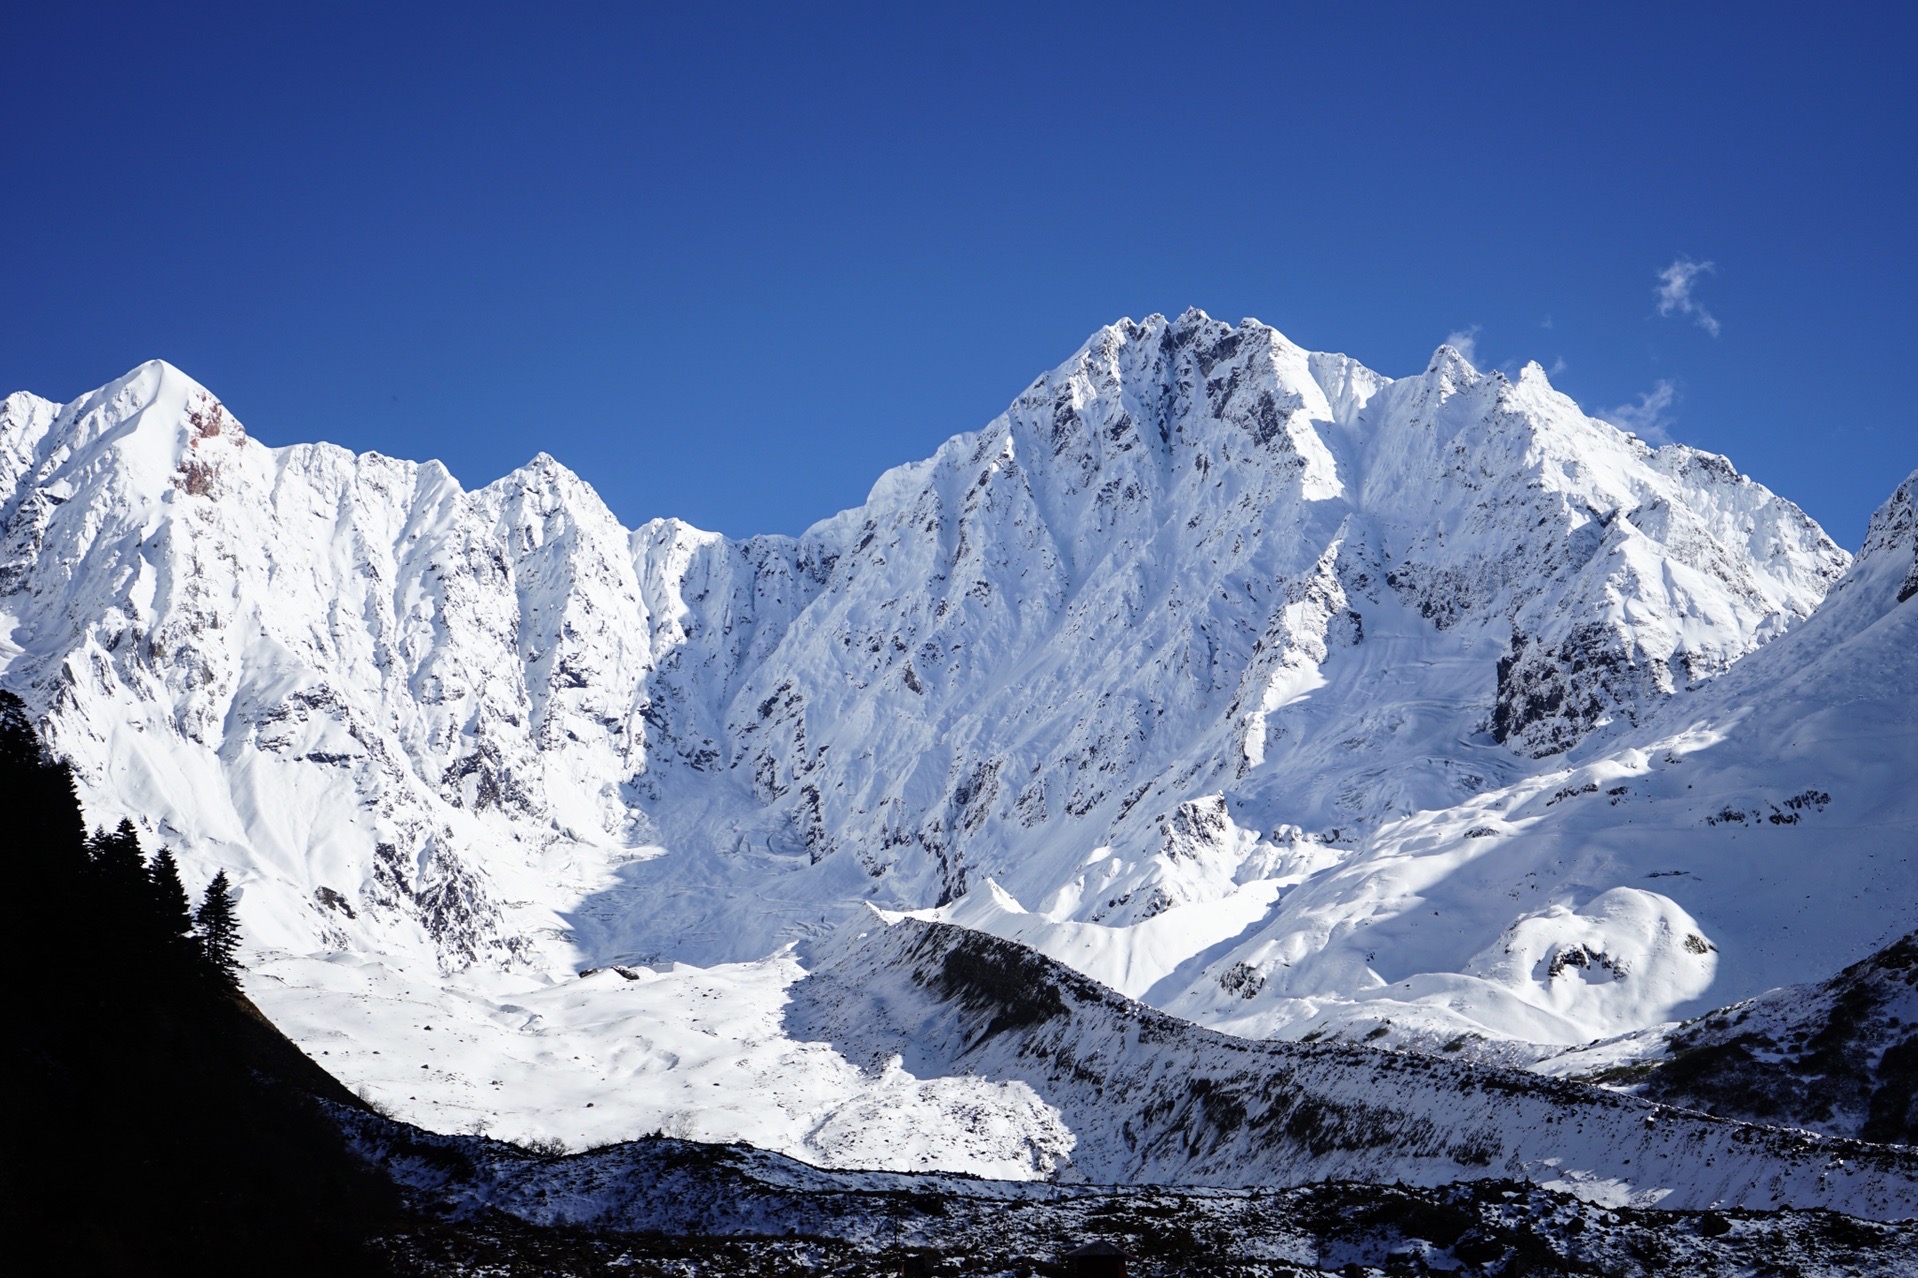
(731,268)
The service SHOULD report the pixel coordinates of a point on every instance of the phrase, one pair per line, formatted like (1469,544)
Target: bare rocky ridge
(661,1207)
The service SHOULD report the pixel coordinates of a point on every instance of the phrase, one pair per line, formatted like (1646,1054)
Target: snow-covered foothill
(1839,1056)
(1151,1098)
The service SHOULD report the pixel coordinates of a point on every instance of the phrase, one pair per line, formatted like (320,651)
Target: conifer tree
(219,927)
(121,894)
(117,858)
(135,1076)
(44,823)
(19,743)
(56,821)
(172,912)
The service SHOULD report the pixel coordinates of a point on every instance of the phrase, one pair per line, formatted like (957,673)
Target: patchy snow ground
(693,1053)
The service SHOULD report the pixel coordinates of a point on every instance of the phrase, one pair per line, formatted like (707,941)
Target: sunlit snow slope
(1750,835)
(1242,678)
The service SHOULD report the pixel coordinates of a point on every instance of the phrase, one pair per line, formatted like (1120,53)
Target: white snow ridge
(1284,697)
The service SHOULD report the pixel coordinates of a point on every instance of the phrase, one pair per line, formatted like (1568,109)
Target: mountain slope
(629,1208)
(1839,1056)
(1151,1099)
(1754,834)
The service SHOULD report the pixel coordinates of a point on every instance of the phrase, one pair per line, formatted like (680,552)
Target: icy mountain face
(1177,641)
(361,683)
(1892,538)
(1197,586)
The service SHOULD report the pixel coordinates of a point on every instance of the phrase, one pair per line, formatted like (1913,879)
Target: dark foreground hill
(157,1122)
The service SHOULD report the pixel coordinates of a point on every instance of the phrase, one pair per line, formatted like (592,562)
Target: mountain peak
(1449,361)
(167,429)
(543,465)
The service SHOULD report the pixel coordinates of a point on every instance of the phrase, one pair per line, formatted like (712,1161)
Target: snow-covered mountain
(1288,697)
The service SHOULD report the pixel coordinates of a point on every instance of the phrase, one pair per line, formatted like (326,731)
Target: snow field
(693,1053)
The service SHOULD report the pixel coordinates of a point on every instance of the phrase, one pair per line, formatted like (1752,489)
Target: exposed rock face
(1193,565)
(1893,534)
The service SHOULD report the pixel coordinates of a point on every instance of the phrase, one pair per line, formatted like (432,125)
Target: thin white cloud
(1558,367)
(1651,417)
(1465,342)
(1675,284)
(1546,322)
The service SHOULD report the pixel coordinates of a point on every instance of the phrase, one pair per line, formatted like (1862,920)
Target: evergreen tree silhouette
(57,823)
(219,926)
(119,870)
(19,743)
(172,912)
(46,832)
(117,855)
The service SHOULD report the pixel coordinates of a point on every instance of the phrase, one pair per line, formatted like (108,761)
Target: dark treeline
(156,1122)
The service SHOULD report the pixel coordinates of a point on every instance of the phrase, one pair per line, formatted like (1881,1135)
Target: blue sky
(730,268)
